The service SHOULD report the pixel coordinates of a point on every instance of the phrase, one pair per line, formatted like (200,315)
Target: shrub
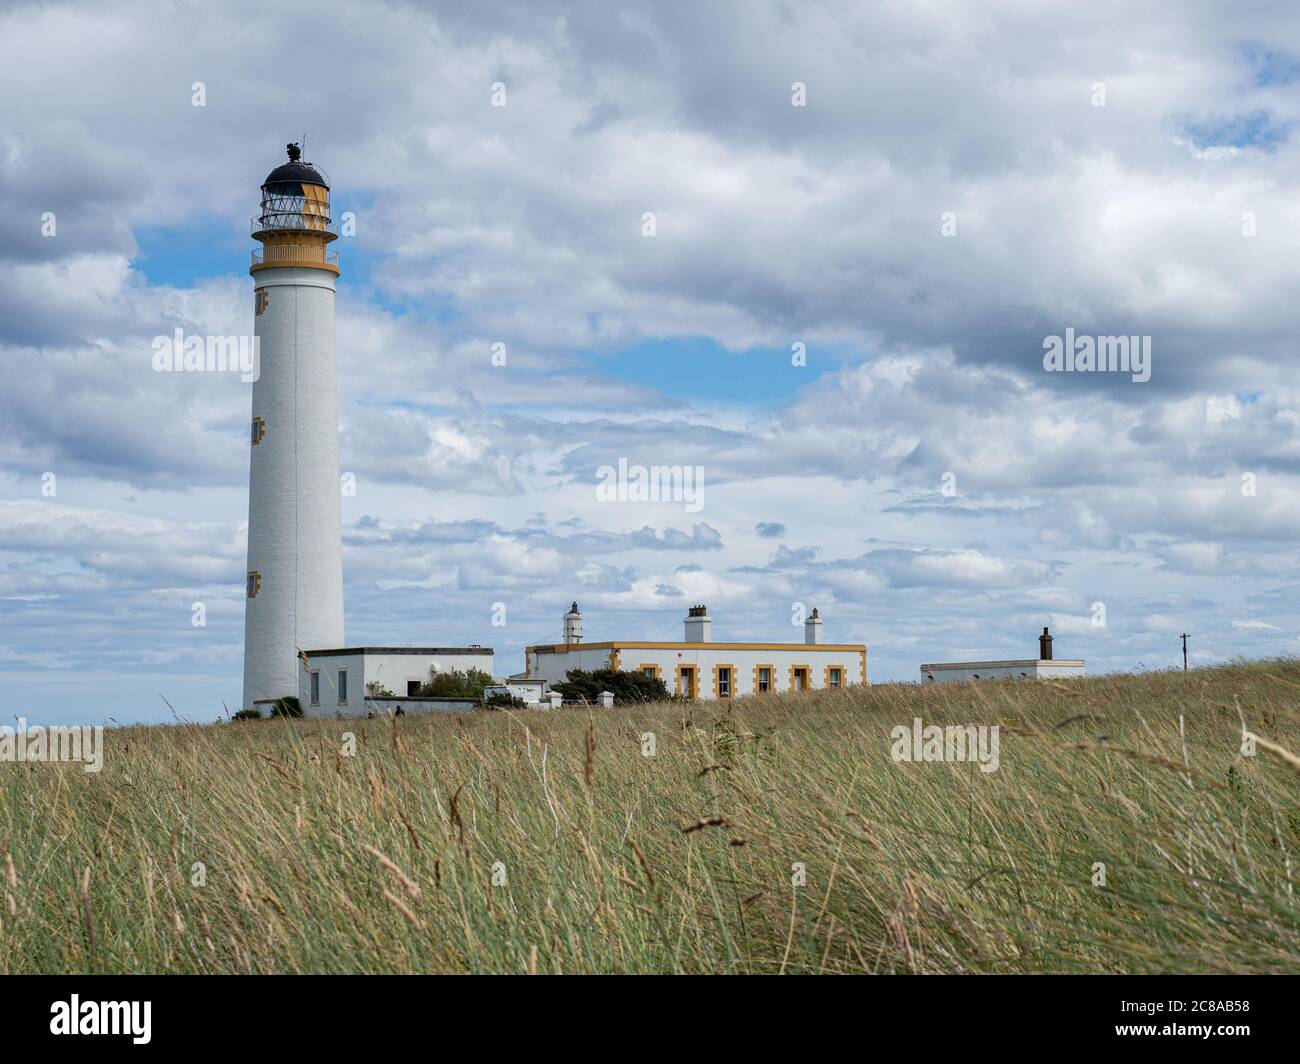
(626,687)
(504,700)
(456,684)
(288,706)
(247,714)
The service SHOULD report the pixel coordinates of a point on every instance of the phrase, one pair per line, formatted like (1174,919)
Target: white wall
(394,671)
(329,668)
(962,672)
(412,707)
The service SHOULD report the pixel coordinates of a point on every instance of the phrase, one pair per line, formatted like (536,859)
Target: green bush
(247,714)
(504,700)
(456,684)
(288,706)
(626,687)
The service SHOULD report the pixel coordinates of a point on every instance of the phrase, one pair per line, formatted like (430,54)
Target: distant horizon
(913,681)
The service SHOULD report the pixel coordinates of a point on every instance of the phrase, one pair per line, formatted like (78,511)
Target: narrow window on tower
(343,687)
(315,688)
(259,430)
(254,583)
(262,299)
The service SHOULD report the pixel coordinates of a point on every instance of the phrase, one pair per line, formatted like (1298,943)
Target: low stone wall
(412,705)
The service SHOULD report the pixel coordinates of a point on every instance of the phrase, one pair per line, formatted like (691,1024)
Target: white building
(1040,668)
(697,667)
(294,582)
(354,681)
(526,690)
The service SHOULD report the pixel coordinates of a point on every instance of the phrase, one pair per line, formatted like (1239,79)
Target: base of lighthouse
(295,558)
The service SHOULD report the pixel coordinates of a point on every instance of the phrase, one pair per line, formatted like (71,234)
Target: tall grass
(548,842)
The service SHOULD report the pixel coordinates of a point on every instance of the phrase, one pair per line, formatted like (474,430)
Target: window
(649,670)
(343,687)
(724,681)
(833,677)
(254,583)
(799,678)
(263,298)
(315,688)
(259,430)
(412,688)
(764,683)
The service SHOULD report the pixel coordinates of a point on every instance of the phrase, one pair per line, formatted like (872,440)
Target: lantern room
(294,225)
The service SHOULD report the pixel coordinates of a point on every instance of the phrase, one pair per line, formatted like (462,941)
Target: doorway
(688,681)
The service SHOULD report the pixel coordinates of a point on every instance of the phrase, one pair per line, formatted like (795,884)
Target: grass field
(548,842)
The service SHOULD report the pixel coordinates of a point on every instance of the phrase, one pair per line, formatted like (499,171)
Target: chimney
(812,628)
(698,625)
(1045,645)
(572,626)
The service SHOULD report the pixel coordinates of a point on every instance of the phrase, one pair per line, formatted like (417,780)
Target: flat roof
(1002,664)
(397,650)
(562,648)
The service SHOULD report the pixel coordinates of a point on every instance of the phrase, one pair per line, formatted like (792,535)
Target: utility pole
(1184,652)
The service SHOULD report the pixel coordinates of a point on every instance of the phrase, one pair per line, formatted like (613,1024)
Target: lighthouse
(295,555)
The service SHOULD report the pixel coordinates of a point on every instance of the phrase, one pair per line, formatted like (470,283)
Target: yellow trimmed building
(699,668)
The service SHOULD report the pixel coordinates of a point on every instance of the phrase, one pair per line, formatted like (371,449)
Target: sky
(813,250)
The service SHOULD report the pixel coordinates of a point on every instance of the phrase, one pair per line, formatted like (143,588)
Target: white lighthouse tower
(295,553)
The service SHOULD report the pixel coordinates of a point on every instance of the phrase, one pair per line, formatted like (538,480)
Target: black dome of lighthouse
(295,172)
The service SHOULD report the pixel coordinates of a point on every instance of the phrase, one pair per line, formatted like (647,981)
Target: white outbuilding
(1042,667)
(354,681)
(526,690)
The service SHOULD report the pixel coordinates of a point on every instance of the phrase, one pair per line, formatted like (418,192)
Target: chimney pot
(1045,645)
(698,625)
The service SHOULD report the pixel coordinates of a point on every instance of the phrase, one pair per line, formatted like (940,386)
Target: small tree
(626,687)
(246,714)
